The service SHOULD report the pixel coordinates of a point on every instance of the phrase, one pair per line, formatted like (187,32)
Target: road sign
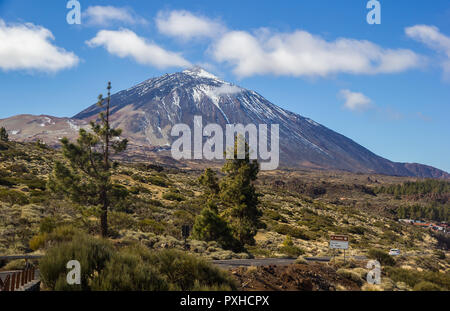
(339,241)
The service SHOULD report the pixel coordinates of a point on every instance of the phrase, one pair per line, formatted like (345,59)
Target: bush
(172,196)
(150,225)
(384,258)
(290,249)
(38,241)
(292,231)
(128,272)
(426,286)
(187,272)
(132,268)
(121,220)
(48,224)
(414,277)
(93,255)
(357,230)
(57,235)
(13,197)
(157,181)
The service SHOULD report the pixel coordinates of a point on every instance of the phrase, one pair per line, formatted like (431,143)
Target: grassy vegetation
(159,200)
(105,267)
(429,186)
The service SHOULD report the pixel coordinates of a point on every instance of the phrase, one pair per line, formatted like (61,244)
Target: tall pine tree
(238,193)
(87,179)
(209,225)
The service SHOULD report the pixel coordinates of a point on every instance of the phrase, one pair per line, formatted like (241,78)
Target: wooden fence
(17,279)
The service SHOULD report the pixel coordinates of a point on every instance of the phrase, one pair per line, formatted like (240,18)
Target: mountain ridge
(147,111)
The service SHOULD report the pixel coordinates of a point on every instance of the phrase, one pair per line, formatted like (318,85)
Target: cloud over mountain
(125,43)
(301,53)
(354,101)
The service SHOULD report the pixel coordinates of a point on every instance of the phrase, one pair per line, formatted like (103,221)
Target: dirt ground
(296,277)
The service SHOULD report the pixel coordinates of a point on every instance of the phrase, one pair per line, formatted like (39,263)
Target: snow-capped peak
(199,72)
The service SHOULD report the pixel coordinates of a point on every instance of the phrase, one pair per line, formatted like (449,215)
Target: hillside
(305,205)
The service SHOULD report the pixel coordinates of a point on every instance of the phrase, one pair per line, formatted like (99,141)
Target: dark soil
(296,277)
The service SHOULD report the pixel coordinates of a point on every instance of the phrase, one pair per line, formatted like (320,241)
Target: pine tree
(87,180)
(210,181)
(238,193)
(3,135)
(209,226)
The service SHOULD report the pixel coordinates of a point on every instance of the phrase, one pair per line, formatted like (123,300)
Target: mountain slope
(147,112)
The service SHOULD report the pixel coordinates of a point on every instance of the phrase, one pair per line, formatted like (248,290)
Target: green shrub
(187,272)
(13,197)
(274,215)
(128,272)
(150,225)
(357,230)
(93,255)
(38,196)
(292,231)
(426,286)
(413,277)
(132,268)
(48,224)
(290,249)
(384,258)
(120,220)
(157,181)
(57,235)
(38,241)
(172,196)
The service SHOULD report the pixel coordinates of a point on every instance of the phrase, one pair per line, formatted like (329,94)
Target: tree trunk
(104,215)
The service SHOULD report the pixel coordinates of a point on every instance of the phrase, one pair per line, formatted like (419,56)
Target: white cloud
(355,101)
(29,47)
(302,54)
(125,43)
(106,15)
(185,25)
(226,89)
(434,39)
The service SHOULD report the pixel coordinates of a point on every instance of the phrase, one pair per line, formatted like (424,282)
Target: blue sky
(385,86)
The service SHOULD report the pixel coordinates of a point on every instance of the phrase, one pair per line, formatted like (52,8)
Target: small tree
(3,134)
(238,193)
(88,178)
(209,226)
